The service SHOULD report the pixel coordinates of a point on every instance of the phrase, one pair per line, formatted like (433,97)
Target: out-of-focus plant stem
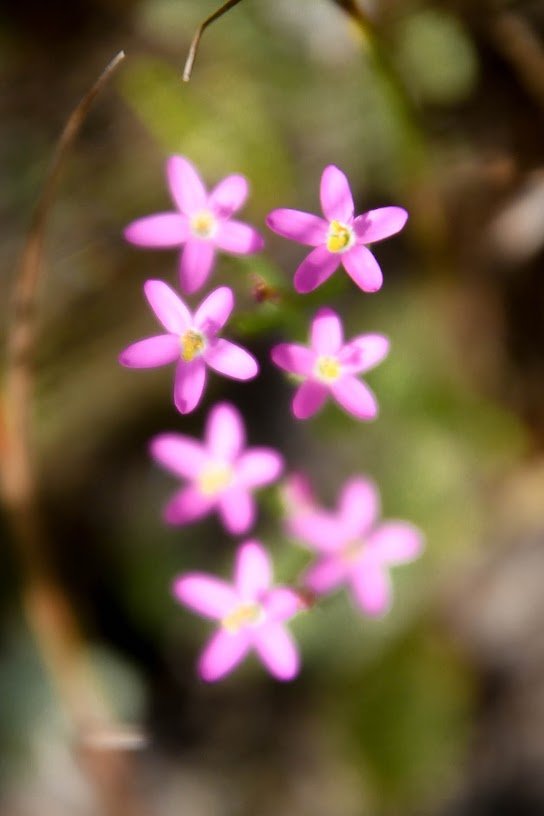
(520,46)
(425,203)
(48,611)
(188,69)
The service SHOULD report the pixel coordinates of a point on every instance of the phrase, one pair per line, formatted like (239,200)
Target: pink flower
(191,342)
(202,222)
(353,549)
(297,495)
(220,473)
(251,615)
(339,237)
(328,367)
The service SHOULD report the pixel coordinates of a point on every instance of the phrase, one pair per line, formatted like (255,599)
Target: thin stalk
(48,611)
(188,69)
(425,202)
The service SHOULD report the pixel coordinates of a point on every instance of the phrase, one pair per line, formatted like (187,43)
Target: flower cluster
(220,473)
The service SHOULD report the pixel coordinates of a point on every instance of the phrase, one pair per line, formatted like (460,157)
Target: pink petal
(258,467)
(222,653)
(319,530)
(282,603)
(187,505)
(315,269)
(363,268)
(277,650)
(225,433)
(168,306)
(336,198)
(160,231)
(189,384)
(359,507)
(151,352)
(237,510)
(293,358)
(327,332)
(208,596)
(197,259)
(181,455)
(186,187)
(241,239)
(229,195)
(214,311)
(371,587)
(231,360)
(326,575)
(298,494)
(253,571)
(396,542)
(308,399)
(364,352)
(355,397)
(376,225)
(298,226)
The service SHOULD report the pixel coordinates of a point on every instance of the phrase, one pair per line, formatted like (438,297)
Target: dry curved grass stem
(48,611)
(195,42)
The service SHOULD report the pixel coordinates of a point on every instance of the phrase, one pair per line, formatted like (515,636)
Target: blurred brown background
(439,708)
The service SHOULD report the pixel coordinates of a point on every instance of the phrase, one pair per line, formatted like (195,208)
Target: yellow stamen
(327,369)
(340,237)
(214,478)
(203,224)
(192,344)
(246,614)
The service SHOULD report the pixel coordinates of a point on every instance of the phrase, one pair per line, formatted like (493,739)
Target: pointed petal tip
(335,194)
(224,291)
(170,518)
(309,398)
(296,225)
(123,359)
(176,588)
(182,407)
(258,243)
(231,360)
(315,269)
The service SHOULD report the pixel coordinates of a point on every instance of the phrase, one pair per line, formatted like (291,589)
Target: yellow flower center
(340,237)
(192,344)
(203,224)
(327,368)
(214,478)
(352,551)
(246,614)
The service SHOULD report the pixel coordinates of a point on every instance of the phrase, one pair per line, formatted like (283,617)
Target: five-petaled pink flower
(221,474)
(339,237)
(203,223)
(191,341)
(329,367)
(251,615)
(353,548)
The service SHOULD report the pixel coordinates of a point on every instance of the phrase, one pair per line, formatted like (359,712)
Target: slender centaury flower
(221,475)
(251,615)
(202,223)
(353,549)
(329,367)
(191,341)
(339,237)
